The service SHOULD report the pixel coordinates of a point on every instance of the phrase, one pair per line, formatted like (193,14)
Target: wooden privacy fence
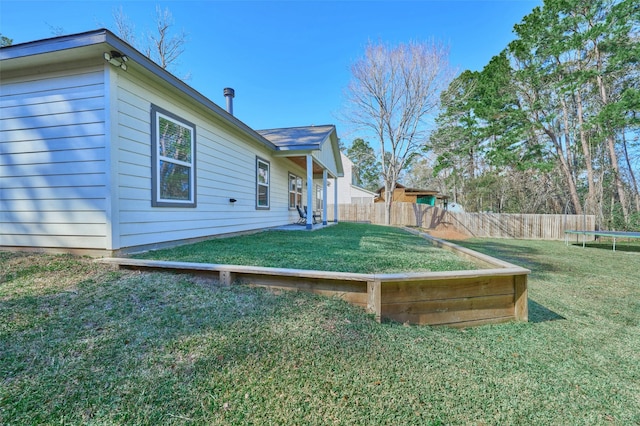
(493,225)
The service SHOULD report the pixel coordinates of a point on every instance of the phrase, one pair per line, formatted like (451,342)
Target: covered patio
(296,227)
(315,149)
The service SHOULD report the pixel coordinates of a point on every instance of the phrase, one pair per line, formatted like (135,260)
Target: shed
(402,194)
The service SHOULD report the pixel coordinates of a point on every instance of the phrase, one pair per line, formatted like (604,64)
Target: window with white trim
(173,160)
(295,191)
(263,171)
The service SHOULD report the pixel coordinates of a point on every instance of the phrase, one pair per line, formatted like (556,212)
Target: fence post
(374,295)
(521,308)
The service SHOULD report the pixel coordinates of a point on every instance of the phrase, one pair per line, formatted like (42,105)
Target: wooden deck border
(455,298)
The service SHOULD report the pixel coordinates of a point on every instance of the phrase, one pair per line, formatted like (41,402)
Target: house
(348,190)
(402,194)
(103,152)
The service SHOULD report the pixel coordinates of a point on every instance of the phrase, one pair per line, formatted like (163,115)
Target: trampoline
(610,234)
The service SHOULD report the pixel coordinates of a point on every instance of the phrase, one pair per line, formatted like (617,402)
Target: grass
(81,343)
(346,247)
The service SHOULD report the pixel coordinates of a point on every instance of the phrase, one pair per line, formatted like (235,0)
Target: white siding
(327,158)
(225,169)
(52,159)
(347,192)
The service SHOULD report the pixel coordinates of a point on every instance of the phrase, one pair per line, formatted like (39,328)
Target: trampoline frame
(610,234)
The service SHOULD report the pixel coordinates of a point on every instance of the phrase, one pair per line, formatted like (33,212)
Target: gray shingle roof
(298,138)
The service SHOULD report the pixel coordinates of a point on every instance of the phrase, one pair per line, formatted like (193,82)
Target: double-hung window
(263,171)
(173,160)
(295,191)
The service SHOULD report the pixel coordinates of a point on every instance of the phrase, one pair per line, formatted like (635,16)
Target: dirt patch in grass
(447,233)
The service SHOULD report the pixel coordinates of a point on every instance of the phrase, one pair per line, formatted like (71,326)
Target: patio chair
(316,217)
(303,216)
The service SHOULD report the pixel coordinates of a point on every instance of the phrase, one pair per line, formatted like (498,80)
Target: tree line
(549,125)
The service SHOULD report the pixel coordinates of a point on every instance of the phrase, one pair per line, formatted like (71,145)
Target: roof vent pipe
(229,93)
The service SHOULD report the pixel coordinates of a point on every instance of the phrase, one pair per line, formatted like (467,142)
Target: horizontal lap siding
(53,160)
(327,158)
(225,169)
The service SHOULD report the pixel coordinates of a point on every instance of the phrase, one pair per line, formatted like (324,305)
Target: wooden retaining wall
(458,298)
(491,225)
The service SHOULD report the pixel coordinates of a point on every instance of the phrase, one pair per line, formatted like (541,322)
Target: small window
(295,191)
(173,160)
(262,183)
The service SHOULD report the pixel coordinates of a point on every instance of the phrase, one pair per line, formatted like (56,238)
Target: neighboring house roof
(363,191)
(351,165)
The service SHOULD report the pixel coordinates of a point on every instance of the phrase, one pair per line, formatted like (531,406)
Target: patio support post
(335,199)
(324,197)
(309,191)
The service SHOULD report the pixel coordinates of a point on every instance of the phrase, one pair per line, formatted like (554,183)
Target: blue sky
(288,61)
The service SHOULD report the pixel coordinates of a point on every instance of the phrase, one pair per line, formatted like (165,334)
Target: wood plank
(374,299)
(241,269)
(521,300)
(501,301)
(305,283)
(479,322)
(397,292)
(357,299)
(452,317)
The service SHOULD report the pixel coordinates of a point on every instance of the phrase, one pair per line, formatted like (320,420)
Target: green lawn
(81,343)
(346,247)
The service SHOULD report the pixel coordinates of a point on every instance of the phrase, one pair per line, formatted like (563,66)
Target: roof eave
(105,36)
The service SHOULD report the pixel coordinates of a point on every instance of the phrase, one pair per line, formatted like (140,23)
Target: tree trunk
(388,201)
(565,168)
(634,182)
(586,151)
(611,143)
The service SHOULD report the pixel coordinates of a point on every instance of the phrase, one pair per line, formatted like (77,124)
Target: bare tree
(393,95)
(124,27)
(162,47)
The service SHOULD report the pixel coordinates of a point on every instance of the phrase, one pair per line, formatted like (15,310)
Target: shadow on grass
(516,254)
(539,313)
(608,245)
